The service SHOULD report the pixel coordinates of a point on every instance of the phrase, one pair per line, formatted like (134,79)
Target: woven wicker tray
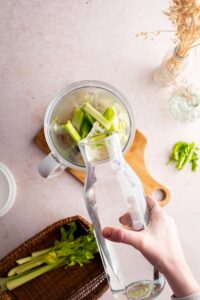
(75,283)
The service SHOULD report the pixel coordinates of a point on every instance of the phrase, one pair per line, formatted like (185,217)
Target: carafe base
(141,290)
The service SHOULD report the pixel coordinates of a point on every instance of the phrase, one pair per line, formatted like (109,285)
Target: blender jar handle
(50,166)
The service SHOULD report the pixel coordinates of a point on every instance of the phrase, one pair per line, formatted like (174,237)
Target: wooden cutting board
(135,158)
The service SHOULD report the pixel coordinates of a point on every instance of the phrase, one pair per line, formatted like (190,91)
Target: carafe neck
(101,149)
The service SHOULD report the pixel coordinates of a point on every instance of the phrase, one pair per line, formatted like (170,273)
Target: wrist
(180,279)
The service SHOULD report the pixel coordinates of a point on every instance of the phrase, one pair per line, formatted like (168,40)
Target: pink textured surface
(45,45)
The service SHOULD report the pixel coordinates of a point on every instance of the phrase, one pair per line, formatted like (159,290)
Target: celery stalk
(40,252)
(24,260)
(14,283)
(5,280)
(97,116)
(26,267)
(72,131)
(70,250)
(3,284)
(13,271)
(78,118)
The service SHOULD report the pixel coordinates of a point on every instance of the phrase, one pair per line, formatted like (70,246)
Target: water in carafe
(113,192)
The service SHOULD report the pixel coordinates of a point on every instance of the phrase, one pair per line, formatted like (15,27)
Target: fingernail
(107,233)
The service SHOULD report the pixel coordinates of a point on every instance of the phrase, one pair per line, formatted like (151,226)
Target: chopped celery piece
(85,128)
(184,153)
(78,118)
(72,131)
(110,113)
(90,118)
(97,116)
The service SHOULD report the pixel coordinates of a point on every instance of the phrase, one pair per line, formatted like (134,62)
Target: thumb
(125,236)
(152,204)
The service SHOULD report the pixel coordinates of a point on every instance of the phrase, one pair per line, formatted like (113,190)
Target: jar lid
(7,189)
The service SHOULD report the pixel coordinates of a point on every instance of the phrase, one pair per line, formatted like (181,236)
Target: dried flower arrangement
(185,17)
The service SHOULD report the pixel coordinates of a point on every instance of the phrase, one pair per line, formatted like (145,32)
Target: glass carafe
(112,189)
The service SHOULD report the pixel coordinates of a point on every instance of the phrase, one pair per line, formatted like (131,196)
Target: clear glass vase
(114,197)
(171,67)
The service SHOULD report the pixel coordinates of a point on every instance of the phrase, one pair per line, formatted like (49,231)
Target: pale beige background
(44,46)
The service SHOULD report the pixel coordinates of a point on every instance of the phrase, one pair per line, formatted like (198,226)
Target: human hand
(160,245)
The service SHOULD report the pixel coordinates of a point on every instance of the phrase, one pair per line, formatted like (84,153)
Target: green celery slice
(97,116)
(110,113)
(72,131)
(78,118)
